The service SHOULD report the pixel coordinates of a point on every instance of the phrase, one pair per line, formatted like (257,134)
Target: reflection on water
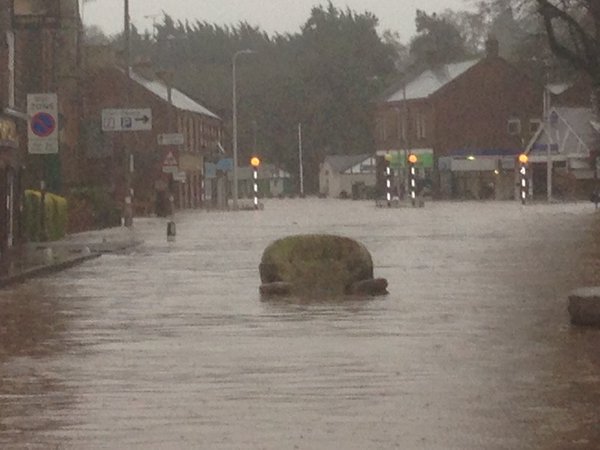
(173,347)
(31,330)
(30,323)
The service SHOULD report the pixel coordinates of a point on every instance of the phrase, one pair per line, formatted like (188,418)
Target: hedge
(55,217)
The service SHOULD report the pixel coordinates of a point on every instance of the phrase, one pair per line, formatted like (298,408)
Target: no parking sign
(42,133)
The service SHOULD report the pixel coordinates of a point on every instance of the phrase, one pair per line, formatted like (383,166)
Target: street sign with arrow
(127,119)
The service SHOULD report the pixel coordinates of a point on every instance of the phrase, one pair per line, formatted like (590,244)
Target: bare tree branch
(584,53)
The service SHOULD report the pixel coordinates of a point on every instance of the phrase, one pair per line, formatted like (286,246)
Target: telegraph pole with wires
(128,201)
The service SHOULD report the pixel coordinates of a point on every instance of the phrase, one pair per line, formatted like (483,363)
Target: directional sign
(179,176)
(127,119)
(170,139)
(170,164)
(42,132)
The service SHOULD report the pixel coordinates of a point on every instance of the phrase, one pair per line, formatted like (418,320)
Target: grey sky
(281,16)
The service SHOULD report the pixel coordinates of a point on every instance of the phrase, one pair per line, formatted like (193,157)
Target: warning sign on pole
(42,132)
(170,164)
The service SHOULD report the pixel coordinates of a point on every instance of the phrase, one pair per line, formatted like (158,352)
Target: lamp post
(235,143)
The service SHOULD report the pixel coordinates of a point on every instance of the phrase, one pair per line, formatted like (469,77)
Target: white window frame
(421,126)
(538,124)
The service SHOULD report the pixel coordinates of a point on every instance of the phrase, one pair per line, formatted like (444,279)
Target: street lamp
(235,150)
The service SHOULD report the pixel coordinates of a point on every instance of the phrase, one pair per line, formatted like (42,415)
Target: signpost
(179,176)
(170,139)
(170,164)
(127,119)
(42,132)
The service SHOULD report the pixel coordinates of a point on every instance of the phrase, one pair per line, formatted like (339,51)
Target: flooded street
(171,346)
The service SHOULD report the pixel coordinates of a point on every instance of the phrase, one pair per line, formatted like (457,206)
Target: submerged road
(171,346)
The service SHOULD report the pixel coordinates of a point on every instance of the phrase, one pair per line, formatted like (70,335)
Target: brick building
(107,86)
(47,60)
(39,54)
(468,120)
(12,130)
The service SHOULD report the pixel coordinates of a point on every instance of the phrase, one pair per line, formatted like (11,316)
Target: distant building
(345,176)
(569,142)
(473,117)
(272,181)
(154,178)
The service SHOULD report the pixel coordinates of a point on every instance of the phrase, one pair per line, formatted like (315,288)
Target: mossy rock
(316,263)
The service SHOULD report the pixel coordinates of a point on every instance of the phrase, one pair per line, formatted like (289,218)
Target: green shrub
(106,212)
(55,216)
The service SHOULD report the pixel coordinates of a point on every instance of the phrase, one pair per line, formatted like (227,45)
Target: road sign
(42,132)
(127,119)
(170,139)
(170,164)
(179,176)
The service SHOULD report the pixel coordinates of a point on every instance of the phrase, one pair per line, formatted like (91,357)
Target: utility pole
(300,158)
(548,126)
(234,120)
(406,131)
(128,208)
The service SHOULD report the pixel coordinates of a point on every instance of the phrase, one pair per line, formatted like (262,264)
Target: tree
(573,30)
(342,61)
(438,41)
(324,77)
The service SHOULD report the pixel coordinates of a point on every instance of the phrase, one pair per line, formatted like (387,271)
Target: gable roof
(179,99)
(579,120)
(431,80)
(575,122)
(341,163)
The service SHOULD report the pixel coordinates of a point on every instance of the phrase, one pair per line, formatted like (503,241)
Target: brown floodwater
(171,346)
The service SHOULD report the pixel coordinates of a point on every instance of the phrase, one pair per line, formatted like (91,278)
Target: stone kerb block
(584,306)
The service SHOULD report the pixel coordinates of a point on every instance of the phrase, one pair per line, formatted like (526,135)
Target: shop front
(10,175)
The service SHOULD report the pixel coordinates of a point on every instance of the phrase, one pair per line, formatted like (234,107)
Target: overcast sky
(273,16)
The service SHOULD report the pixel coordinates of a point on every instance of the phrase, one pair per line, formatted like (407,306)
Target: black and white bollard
(524,188)
(388,182)
(412,177)
(255,162)
(171,231)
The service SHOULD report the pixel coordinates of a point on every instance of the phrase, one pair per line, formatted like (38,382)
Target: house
(160,168)
(39,44)
(569,143)
(470,117)
(272,182)
(343,176)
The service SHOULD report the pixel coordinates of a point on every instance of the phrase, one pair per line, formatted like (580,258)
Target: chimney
(492,47)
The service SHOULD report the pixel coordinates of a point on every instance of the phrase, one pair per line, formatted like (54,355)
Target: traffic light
(524,189)
(412,177)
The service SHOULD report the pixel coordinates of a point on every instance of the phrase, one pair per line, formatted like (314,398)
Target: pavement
(42,258)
